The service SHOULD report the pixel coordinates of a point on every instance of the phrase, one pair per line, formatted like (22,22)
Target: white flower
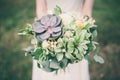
(45,44)
(67,18)
(50,12)
(68,34)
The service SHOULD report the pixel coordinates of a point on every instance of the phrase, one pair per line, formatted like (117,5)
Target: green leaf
(79,56)
(85,47)
(57,10)
(77,39)
(92,29)
(80,48)
(70,47)
(69,56)
(38,65)
(64,63)
(29,49)
(97,51)
(98,59)
(59,56)
(94,34)
(90,48)
(75,51)
(22,33)
(47,69)
(87,26)
(82,35)
(85,42)
(88,35)
(46,51)
(27,30)
(54,64)
(37,53)
(42,58)
(45,63)
(88,58)
(45,66)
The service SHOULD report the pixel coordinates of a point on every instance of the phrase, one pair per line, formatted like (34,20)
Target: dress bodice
(66,5)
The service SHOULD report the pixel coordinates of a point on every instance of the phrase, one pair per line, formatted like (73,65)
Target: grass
(15,14)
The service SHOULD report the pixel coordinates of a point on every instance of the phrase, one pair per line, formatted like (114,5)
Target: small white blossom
(45,44)
(68,34)
(67,18)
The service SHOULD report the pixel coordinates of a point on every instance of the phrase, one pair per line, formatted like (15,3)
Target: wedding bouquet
(60,38)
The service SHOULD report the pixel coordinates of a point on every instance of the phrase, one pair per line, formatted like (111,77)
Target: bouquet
(59,39)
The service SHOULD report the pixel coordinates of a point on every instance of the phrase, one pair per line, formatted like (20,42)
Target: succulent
(48,26)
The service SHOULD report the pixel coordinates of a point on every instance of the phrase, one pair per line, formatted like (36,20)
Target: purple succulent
(48,26)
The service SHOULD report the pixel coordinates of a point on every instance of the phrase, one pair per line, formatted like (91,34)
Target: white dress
(77,71)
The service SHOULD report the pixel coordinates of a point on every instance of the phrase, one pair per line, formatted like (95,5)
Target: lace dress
(77,71)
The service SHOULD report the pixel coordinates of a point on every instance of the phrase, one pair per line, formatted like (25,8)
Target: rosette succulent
(49,26)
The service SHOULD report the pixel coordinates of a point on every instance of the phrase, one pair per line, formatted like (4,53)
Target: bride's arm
(41,8)
(87,7)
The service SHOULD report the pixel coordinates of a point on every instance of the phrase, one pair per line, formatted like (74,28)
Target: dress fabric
(77,71)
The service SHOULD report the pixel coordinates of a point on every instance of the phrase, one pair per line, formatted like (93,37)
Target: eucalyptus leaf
(94,34)
(97,51)
(45,66)
(88,59)
(45,63)
(64,63)
(54,64)
(47,69)
(98,59)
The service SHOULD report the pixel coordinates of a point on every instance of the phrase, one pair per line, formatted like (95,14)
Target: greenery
(66,40)
(15,14)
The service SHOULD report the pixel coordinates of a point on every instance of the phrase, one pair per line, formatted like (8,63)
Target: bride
(77,71)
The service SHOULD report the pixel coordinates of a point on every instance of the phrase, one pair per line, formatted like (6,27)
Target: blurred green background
(14,14)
